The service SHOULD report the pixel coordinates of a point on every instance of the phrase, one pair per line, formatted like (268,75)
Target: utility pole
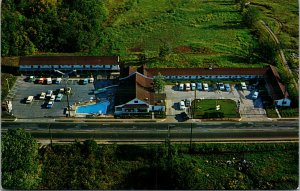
(49,126)
(191,137)
(193,109)
(7,84)
(68,107)
(66,77)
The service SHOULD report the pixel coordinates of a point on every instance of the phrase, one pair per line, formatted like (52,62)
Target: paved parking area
(248,108)
(36,109)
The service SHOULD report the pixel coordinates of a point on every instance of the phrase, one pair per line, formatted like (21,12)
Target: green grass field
(283,18)
(197,33)
(207,109)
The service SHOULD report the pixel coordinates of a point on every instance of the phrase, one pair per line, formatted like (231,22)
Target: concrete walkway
(169,119)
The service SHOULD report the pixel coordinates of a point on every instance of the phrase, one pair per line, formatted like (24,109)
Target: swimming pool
(98,108)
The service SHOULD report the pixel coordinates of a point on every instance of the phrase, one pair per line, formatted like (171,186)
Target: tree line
(30,26)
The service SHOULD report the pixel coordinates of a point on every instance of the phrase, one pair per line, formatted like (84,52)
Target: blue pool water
(98,108)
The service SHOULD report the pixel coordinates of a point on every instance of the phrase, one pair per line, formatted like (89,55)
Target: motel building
(82,64)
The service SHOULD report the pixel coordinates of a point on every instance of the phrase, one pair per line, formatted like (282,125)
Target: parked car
(61,90)
(50,104)
(91,80)
(181,87)
(58,80)
(193,86)
(188,102)
(255,95)
(227,87)
(31,79)
(49,81)
(52,98)
(49,93)
(199,86)
(187,86)
(205,86)
(184,116)
(84,81)
(59,97)
(181,105)
(221,86)
(29,99)
(243,85)
(40,81)
(43,95)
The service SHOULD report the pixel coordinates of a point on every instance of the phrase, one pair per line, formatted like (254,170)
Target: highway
(158,132)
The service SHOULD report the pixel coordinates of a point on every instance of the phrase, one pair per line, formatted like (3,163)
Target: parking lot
(249,108)
(37,109)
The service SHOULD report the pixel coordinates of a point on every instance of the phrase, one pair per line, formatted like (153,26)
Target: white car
(181,105)
(255,95)
(243,84)
(29,99)
(193,86)
(43,95)
(205,86)
(49,81)
(221,86)
(187,86)
(181,87)
(52,98)
(50,104)
(58,80)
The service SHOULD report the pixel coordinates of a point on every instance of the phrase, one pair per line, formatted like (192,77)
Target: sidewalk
(169,119)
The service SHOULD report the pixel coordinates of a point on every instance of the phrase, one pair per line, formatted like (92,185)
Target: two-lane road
(158,132)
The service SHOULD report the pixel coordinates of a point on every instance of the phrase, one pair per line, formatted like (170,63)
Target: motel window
(142,110)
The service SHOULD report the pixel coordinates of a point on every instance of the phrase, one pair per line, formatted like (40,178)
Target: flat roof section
(69,60)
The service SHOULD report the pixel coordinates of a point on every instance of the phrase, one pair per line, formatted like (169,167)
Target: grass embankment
(6,80)
(208,166)
(283,19)
(192,33)
(206,108)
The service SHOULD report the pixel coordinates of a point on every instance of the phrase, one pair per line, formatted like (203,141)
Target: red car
(40,81)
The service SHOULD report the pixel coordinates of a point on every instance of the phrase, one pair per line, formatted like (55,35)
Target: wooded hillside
(51,25)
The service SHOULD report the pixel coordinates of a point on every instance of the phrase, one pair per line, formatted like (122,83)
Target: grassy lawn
(283,19)
(289,112)
(271,112)
(207,109)
(197,33)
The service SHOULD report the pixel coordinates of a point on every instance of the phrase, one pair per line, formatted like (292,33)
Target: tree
(251,16)
(242,5)
(19,160)
(159,83)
